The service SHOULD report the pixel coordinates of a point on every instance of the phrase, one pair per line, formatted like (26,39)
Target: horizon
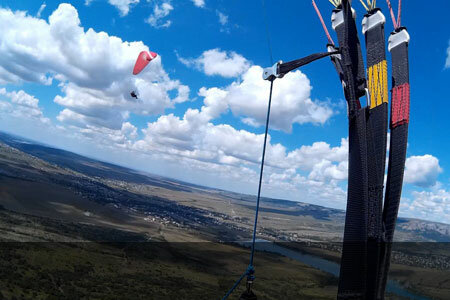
(194,113)
(141,172)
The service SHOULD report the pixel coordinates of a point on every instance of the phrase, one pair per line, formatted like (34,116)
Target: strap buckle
(272,73)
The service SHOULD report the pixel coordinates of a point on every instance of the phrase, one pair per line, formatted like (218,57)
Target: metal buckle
(271,73)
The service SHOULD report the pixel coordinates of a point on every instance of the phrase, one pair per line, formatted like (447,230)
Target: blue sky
(65,83)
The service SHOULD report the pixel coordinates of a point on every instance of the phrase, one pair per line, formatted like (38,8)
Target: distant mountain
(49,159)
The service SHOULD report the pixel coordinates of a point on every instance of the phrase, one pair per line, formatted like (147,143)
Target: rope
(392,14)
(330,40)
(236,284)
(365,6)
(250,270)
(261,175)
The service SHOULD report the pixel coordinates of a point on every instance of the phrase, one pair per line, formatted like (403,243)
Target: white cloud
(121,138)
(160,12)
(422,170)
(447,62)
(223,19)
(199,3)
(194,136)
(326,170)
(123,5)
(218,62)
(430,205)
(93,68)
(41,9)
(291,100)
(22,105)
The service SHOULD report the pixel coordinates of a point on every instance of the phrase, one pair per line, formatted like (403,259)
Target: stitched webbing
(400,105)
(377,84)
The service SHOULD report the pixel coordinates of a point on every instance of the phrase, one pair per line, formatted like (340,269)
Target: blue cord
(261,175)
(250,270)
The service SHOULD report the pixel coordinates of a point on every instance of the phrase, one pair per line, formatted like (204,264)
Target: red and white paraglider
(141,62)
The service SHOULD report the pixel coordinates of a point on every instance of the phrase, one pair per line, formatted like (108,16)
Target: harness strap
(352,279)
(286,67)
(377,125)
(398,144)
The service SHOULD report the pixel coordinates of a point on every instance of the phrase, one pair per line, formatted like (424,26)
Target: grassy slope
(137,270)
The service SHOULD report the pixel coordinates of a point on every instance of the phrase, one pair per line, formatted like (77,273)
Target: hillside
(116,186)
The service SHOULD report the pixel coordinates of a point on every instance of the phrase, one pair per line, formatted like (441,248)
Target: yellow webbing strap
(377,84)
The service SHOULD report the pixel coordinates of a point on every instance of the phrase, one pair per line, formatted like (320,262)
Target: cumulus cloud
(430,205)
(447,62)
(223,151)
(291,100)
(199,3)
(422,170)
(22,105)
(218,62)
(93,68)
(160,12)
(195,136)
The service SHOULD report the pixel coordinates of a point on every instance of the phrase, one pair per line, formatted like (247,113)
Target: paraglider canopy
(142,61)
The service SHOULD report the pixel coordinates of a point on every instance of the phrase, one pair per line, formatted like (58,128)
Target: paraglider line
(330,40)
(250,270)
(261,175)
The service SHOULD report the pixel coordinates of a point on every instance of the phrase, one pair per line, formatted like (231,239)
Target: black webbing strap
(377,120)
(397,152)
(337,62)
(286,67)
(352,279)
(358,70)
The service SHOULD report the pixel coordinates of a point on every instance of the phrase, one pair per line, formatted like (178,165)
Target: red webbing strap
(400,105)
